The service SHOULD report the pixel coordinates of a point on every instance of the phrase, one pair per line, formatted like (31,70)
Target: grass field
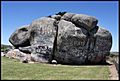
(12,69)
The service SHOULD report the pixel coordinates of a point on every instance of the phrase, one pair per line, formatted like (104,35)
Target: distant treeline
(114,54)
(5,47)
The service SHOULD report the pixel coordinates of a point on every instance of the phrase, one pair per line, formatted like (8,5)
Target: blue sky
(18,13)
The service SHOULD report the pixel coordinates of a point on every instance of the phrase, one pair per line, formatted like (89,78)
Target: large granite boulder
(70,44)
(42,38)
(86,21)
(68,38)
(103,44)
(20,37)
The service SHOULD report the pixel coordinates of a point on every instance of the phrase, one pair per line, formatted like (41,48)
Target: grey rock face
(103,44)
(57,17)
(41,53)
(68,38)
(42,37)
(67,16)
(85,21)
(70,44)
(13,53)
(20,37)
(42,31)
(16,54)
(79,46)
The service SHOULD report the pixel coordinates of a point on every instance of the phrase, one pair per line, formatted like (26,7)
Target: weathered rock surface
(42,37)
(20,37)
(82,20)
(67,16)
(102,45)
(57,17)
(70,44)
(68,38)
(16,54)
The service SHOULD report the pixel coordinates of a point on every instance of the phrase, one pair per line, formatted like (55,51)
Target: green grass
(12,69)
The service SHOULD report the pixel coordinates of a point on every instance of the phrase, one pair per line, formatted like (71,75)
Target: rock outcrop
(20,37)
(68,38)
(16,54)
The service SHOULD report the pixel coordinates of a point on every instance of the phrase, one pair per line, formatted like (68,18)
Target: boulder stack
(68,38)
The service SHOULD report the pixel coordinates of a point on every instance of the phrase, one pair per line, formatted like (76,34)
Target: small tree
(61,13)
